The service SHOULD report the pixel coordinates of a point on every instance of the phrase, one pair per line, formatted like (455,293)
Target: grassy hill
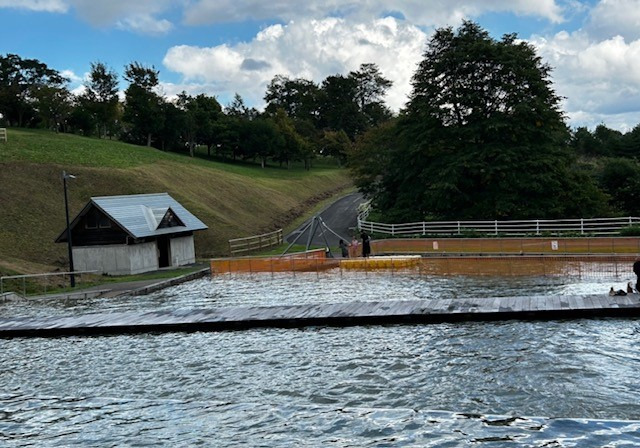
(234,200)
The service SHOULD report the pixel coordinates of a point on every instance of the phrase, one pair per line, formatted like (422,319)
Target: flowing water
(555,383)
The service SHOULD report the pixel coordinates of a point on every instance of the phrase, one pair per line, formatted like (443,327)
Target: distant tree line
(481,137)
(302,119)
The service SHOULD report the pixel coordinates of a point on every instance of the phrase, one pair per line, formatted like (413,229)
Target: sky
(223,47)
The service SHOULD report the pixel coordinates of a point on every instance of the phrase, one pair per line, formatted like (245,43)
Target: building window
(104,222)
(91,221)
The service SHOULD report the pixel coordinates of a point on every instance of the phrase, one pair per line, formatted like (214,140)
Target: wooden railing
(8,282)
(252,243)
(593,226)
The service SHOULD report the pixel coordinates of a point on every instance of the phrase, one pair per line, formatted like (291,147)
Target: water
(556,383)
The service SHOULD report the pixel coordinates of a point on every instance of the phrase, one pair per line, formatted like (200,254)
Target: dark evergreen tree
(371,87)
(483,137)
(620,178)
(585,144)
(338,106)
(101,95)
(143,106)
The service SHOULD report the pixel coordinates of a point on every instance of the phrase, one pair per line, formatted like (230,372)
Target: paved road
(341,217)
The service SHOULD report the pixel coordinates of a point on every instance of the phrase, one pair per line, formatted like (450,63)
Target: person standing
(636,270)
(344,249)
(366,244)
(354,247)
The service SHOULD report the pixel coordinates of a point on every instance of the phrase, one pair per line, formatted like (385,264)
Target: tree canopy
(482,137)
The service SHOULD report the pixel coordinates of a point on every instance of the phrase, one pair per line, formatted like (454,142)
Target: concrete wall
(182,251)
(117,259)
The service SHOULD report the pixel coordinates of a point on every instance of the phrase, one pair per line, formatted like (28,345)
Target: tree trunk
(149,139)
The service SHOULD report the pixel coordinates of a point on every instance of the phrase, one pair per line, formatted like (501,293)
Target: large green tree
(483,137)
(20,82)
(371,87)
(297,97)
(143,109)
(101,97)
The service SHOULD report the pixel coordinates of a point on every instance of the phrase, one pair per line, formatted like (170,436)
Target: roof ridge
(130,195)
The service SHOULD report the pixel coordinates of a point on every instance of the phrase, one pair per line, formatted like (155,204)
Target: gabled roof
(140,215)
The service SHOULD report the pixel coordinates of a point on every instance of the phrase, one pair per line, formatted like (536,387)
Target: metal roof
(140,214)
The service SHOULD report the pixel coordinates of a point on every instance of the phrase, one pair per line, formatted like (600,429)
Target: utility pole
(66,176)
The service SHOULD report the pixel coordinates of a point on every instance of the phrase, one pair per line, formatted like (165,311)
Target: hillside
(234,200)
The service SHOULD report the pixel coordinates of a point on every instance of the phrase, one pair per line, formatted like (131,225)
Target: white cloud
(145,15)
(70,74)
(431,13)
(104,13)
(598,79)
(139,16)
(311,49)
(36,5)
(615,18)
(145,24)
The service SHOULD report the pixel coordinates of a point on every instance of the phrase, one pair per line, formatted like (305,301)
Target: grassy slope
(232,199)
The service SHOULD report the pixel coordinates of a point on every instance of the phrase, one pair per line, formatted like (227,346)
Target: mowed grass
(234,200)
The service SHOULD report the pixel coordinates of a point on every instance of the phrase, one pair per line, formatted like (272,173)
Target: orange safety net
(600,245)
(584,266)
(314,260)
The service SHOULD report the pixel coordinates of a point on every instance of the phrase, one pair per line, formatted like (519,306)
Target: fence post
(496,226)
(458,227)
(424,230)
(582,226)
(393,233)
(537,227)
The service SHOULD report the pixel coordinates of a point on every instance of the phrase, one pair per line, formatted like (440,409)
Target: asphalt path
(341,217)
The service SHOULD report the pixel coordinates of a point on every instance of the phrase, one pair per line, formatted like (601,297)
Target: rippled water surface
(556,383)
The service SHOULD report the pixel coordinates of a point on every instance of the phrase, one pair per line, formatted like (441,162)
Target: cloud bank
(310,49)
(593,47)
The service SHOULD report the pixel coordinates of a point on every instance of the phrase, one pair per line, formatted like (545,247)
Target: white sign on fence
(435,245)
(554,245)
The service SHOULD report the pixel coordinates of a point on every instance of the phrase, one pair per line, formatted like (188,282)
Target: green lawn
(233,199)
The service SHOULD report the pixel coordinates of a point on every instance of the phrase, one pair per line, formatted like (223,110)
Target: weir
(338,314)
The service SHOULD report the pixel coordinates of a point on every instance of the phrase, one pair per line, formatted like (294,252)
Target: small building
(131,234)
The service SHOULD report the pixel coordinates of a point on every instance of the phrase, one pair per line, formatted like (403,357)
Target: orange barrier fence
(314,260)
(583,266)
(601,245)
(586,266)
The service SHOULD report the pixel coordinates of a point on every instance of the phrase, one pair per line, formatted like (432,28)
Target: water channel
(553,383)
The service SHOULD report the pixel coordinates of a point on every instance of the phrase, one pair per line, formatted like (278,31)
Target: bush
(630,231)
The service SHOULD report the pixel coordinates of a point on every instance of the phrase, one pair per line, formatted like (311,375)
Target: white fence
(3,134)
(251,243)
(593,226)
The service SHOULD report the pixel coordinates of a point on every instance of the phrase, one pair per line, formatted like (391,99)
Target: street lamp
(66,176)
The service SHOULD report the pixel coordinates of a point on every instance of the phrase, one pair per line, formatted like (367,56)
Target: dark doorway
(163,252)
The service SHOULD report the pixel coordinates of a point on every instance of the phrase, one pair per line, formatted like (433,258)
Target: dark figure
(344,249)
(366,245)
(619,292)
(636,270)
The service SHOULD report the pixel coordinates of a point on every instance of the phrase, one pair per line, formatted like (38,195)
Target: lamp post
(66,176)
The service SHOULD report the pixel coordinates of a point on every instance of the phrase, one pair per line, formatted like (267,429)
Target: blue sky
(220,47)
